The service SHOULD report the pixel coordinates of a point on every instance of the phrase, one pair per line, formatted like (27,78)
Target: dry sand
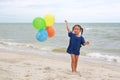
(23,66)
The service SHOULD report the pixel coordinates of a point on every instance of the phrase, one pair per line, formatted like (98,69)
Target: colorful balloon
(42,35)
(50,19)
(51,31)
(39,23)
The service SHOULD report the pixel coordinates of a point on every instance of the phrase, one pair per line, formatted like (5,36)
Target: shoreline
(57,53)
(15,65)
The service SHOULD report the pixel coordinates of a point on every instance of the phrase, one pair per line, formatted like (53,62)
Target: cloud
(74,10)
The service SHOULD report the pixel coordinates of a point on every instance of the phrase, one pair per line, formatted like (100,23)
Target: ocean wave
(109,58)
(16,45)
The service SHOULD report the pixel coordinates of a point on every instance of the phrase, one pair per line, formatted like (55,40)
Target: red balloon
(51,31)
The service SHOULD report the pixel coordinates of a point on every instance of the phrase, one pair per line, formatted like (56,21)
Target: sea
(104,40)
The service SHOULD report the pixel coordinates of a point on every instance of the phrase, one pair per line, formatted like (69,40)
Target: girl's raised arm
(68,29)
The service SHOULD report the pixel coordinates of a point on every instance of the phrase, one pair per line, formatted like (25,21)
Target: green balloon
(39,23)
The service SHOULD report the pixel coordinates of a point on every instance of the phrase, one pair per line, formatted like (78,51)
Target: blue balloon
(42,35)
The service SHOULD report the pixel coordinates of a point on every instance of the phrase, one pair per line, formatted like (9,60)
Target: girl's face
(76,30)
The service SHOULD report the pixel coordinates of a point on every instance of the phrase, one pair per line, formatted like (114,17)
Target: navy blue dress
(75,44)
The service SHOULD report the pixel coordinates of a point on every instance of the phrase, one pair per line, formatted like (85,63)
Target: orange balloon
(51,31)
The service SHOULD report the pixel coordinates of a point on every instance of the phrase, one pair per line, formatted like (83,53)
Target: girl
(76,40)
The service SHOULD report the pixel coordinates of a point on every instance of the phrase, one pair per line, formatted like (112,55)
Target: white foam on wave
(15,46)
(8,43)
(110,58)
(88,28)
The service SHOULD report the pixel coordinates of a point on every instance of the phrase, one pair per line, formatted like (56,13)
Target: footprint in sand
(39,68)
(48,78)
(47,69)
(75,73)
(27,64)
(27,75)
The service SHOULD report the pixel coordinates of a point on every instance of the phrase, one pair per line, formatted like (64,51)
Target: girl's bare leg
(73,62)
(76,61)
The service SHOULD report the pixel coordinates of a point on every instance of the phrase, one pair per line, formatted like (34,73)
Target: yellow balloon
(50,19)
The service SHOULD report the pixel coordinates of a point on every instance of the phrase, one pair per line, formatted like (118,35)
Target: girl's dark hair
(79,27)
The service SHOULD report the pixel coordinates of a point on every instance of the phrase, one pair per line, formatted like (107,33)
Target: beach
(22,57)
(16,65)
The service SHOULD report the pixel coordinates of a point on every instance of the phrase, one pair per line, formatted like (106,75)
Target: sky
(91,11)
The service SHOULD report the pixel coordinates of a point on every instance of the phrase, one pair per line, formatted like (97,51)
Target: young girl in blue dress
(76,41)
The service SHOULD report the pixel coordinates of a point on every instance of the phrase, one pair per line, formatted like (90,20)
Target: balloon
(42,35)
(51,31)
(50,19)
(39,23)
